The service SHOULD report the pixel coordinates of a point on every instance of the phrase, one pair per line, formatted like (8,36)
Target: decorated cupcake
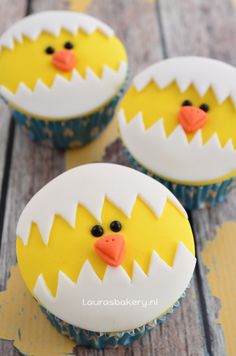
(105,261)
(178,125)
(62,73)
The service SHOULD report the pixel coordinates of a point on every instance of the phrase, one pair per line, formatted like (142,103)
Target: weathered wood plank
(8,15)
(136,25)
(198,28)
(205,224)
(34,166)
(4,133)
(7,349)
(38,5)
(11,12)
(207,29)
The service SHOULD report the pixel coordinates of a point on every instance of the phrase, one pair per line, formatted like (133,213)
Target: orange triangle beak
(192,118)
(111,248)
(64,60)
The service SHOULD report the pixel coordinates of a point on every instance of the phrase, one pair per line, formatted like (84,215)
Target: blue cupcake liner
(70,133)
(101,340)
(191,196)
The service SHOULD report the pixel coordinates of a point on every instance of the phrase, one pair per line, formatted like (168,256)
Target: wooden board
(8,15)
(151,31)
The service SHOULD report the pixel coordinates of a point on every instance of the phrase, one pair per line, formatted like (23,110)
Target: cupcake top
(60,64)
(101,242)
(178,120)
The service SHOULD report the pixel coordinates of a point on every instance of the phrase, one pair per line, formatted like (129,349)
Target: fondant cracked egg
(107,251)
(62,71)
(178,124)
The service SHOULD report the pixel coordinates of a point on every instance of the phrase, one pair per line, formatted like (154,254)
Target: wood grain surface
(151,31)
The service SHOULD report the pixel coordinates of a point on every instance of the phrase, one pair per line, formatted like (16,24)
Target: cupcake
(178,124)
(106,251)
(62,74)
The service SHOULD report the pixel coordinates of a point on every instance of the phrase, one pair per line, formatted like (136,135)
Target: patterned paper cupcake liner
(191,196)
(100,340)
(70,133)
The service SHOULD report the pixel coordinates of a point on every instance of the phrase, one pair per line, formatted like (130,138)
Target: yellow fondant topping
(156,103)
(68,248)
(27,62)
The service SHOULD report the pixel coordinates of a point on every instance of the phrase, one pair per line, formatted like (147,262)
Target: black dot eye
(68,45)
(97,230)
(204,107)
(187,103)
(115,226)
(49,50)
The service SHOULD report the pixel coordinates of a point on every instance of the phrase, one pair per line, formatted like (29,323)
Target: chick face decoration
(102,232)
(178,120)
(58,65)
